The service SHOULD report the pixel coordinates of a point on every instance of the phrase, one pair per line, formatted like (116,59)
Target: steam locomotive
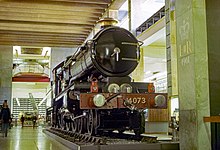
(93,92)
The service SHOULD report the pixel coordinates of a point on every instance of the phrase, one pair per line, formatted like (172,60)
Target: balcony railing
(152,20)
(30,68)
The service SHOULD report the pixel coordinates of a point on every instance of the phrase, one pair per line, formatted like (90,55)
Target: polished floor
(28,138)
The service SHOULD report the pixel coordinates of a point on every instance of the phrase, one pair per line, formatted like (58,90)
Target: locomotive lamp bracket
(116,52)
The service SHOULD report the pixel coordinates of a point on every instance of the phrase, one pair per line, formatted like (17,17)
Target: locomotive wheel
(73,125)
(96,122)
(84,124)
(121,131)
(141,124)
(64,122)
(61,122)
(79,125)
(137,132)
(68,126)
(90,122)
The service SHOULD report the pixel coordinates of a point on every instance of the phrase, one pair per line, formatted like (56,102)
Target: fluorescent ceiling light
(45,61)
(46,51)
(17,50)
(158,75)
(148,72)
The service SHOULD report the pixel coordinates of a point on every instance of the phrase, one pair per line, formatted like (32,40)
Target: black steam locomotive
(93,92)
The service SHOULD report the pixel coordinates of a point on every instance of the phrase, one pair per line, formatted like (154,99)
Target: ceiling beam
(115,5)
(11,36)
(49,21)
(50,18)
(6,9)
(53,6)
(40,41)
(99,2)
(88,2)
(20,33)
(49,40)
(54,28)
(54,23)
(41,44)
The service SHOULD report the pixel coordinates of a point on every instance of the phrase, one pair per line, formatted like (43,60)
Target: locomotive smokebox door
(116,52)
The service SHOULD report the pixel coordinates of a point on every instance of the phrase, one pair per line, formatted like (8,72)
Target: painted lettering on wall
(185,48)
(184,52)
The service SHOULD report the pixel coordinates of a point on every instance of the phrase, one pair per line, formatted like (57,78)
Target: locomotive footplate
(125,100)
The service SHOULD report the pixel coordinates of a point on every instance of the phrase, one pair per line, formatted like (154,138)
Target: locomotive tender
(93,92)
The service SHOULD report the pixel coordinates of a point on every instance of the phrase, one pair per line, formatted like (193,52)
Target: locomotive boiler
(93,90)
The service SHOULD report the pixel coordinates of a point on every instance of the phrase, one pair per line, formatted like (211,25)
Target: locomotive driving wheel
(64,122)
(61,122)
(79,122)
(90,122)
(73,124)
(67,123)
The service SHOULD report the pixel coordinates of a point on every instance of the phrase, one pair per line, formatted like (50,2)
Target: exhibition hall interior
(106,74)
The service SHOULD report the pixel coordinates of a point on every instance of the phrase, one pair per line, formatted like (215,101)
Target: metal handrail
(30,68)
(152,20)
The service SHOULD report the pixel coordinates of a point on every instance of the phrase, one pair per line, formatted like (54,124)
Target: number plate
(140,101)
(143,100)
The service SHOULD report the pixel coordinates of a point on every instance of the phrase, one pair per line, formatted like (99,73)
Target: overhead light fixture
(17,50)
(156,75)
(148,72)
(30,83)
(159,1)
(46,51)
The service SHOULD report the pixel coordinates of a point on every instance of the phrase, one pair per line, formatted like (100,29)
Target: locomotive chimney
(107,22)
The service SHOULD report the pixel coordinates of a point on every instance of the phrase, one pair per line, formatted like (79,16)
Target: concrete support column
(193,74)
(6,61)
(171,49)
(213,32)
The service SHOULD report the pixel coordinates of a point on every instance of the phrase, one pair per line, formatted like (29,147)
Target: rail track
(112,141)
(105,139)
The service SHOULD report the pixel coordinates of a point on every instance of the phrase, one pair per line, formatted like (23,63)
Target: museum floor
(28,138)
